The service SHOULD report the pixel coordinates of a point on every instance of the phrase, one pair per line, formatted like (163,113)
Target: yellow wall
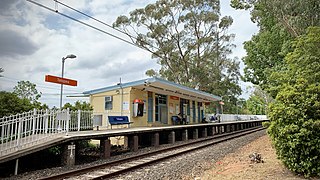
(142,95)
(129,95)
(172,108)
(98,103)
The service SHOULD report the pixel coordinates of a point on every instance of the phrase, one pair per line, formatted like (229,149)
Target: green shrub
(266,124)
(56,150)
(295,115)
(295,127)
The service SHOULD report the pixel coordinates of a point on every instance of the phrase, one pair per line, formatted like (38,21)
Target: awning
(164,87)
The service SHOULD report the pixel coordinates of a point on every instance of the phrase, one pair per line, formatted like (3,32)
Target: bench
(119,120)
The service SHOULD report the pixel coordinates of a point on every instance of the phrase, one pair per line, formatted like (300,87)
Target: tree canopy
(27,90)
(78,105)
(280,23)
(283,58)
(11,104)
(23,99)
(190,41)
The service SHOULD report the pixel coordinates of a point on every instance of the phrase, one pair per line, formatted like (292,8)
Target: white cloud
(44,37)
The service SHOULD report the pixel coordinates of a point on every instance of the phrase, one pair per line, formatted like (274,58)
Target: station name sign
(174,97)
(59,80)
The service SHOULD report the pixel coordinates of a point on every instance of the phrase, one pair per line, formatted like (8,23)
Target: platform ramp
(39,128)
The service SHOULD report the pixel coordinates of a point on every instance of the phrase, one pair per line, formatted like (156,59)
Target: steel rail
(131,160)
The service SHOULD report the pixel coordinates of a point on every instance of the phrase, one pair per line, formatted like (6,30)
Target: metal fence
(236,117)
(34,127)
(29,128)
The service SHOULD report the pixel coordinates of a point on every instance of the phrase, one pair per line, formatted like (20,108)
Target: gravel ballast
(192,165)
(189,166)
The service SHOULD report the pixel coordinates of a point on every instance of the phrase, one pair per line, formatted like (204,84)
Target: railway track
(114,168)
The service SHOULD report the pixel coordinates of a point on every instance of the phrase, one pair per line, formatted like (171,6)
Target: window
(108,103)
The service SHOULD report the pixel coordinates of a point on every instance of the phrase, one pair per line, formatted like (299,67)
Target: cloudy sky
(33,41)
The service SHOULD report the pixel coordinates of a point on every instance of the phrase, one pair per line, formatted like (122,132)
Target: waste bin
(175,120)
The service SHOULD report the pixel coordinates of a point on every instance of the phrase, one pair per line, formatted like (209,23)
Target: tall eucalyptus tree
(190,41)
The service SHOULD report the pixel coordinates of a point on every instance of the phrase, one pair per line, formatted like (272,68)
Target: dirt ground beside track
(239,166)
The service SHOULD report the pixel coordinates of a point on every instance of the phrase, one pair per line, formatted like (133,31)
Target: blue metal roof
(110,88)
(151,80)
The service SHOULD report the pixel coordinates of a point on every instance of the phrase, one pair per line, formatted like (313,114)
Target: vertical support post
(68,157)
(46,123)
(204,133)
(19,132)
(133,142)
(126,143)
(195,134)
(67,121)
(105,147)
(172,137)
(185,135)
(16,167)
(34,121)
(213,130)
(79,118)
(155,139)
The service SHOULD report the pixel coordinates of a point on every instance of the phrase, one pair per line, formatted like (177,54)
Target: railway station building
(150,102)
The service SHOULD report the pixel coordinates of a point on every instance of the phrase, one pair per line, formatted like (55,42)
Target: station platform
(132,137)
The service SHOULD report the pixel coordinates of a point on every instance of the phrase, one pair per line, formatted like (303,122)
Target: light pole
(121,101)
(71,56)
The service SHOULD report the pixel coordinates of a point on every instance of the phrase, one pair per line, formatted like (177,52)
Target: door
(163,114)
(150,107)
(199,111)
(185,115)
(161,108)
(194,111)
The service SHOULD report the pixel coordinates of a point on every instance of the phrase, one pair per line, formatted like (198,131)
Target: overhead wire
(14,80)
(108,25)
(81,22)
(103,31)
(123,32)
(84,14)
(98,29)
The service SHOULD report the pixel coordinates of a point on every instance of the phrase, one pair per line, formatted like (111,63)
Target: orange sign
(59,80)
(174,97)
